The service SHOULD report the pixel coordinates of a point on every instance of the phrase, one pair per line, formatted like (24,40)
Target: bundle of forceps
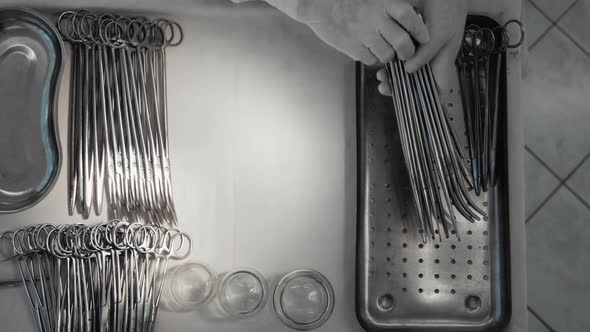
(478,65)
(104,277)
(118,126)
(441,176)
(438,173)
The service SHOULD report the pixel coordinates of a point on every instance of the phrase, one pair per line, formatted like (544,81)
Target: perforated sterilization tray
(403,284)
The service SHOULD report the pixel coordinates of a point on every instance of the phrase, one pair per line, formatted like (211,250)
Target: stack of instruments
(104,277)
(118,124)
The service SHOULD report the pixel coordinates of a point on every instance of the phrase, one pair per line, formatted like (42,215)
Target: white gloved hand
(370,31)
(446,22)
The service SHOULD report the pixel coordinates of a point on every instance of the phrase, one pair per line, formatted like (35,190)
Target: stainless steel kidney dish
(31,61)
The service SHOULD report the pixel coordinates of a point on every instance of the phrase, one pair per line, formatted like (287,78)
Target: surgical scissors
(479,63)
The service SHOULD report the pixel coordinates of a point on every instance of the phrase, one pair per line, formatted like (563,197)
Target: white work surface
(263,153)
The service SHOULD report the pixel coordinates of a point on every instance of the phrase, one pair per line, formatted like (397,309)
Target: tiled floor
(557,113)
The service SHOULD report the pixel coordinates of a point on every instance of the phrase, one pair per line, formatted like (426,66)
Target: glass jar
(243,293)
(188,286)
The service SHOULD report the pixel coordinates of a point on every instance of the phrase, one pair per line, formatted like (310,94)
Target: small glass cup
(188,286)
(243,293)
(304,300)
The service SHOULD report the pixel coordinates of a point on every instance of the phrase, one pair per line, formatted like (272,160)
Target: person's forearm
(487,7)
(313,10)
(290,7)
(303,10)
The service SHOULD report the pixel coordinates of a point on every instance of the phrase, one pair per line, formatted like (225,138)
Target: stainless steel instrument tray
(403,284)
(31,61)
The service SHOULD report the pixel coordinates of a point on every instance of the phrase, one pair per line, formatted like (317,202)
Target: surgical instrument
(118,132)
(478,66)
(433,159)
(102,277)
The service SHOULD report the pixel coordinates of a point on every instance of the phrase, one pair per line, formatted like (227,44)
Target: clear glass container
(243,293)
(304,300)
(188,286)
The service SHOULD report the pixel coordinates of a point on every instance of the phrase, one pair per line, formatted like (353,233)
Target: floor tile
(575,23)
(580,181)
(558,263)
(535,23)
(539,183)
(557,102)
(535,325)
(553,8)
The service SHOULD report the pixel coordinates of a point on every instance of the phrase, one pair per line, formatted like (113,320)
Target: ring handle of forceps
(521,27)
(177,254)
(174,253)
(4,257)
